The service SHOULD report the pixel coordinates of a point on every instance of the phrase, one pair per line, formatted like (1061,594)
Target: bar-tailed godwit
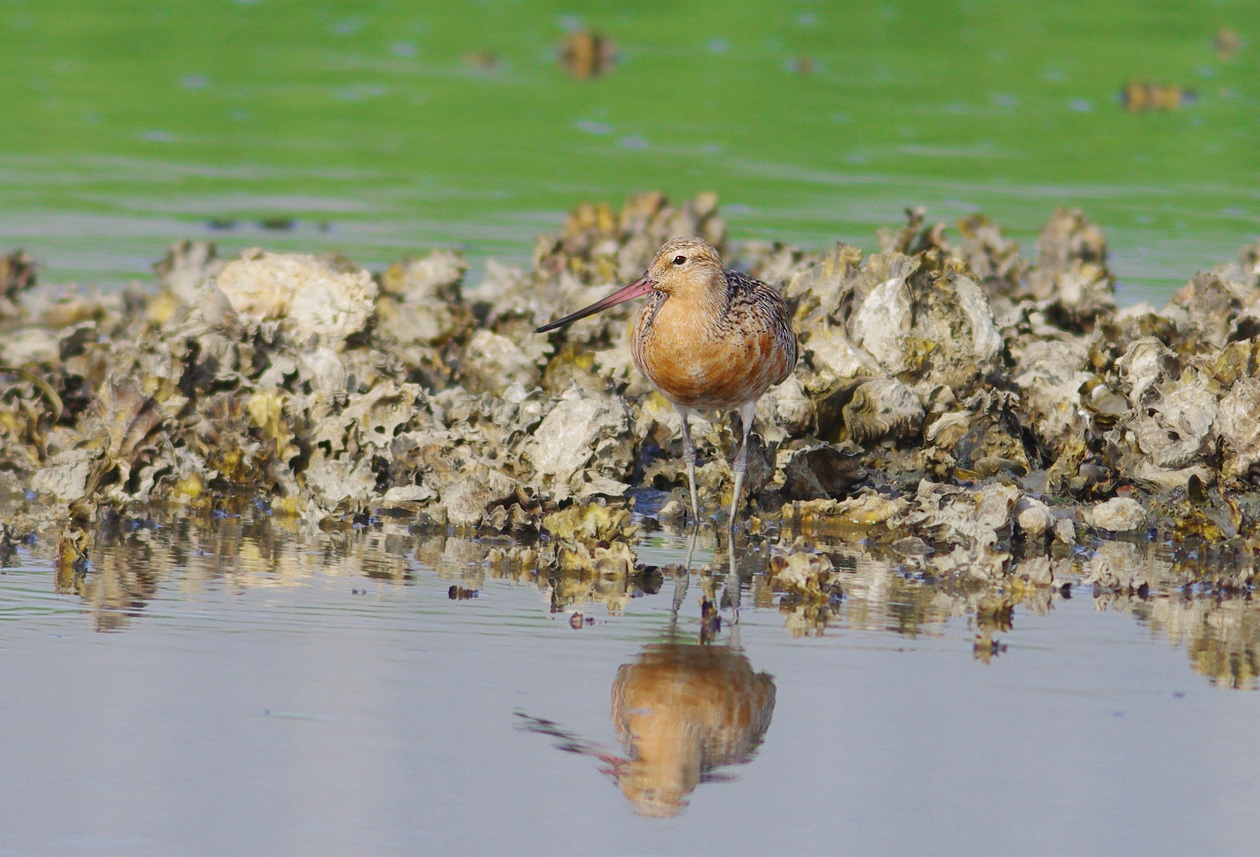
(706,338)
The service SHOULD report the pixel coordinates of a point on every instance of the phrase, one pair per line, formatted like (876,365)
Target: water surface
(386,128)
(217,687)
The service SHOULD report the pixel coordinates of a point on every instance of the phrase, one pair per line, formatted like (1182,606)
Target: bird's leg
(682,578)
(689,456)
(732,582)
(747,412)
(691,546)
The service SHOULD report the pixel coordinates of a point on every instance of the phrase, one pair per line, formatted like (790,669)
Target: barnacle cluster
(950,390)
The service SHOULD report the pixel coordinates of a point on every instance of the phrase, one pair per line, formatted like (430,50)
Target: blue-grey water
(254,696)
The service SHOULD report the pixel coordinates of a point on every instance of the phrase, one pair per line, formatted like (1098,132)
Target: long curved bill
(637,289)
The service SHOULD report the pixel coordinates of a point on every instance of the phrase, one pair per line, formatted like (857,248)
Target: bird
(707,338)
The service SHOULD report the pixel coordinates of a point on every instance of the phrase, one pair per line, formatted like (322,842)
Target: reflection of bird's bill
(637,289)
(570,742)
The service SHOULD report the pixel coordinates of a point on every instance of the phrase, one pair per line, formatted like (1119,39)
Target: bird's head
(685,265)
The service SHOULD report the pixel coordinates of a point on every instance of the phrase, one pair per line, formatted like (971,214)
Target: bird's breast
(700,362)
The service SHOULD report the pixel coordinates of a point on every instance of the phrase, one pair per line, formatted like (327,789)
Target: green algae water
(383,128)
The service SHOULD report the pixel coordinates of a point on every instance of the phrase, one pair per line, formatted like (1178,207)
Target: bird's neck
(710,301)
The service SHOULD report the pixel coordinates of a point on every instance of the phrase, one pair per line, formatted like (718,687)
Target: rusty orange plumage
(706,338)
(680,711)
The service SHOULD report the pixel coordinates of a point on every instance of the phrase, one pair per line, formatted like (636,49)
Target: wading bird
(706,338)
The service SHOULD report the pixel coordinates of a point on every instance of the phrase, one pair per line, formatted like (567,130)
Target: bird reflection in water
(681,709)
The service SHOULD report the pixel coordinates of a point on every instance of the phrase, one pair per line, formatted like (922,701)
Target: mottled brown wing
(757,305)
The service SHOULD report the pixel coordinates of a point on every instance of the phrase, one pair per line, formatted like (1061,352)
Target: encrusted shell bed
(949,391)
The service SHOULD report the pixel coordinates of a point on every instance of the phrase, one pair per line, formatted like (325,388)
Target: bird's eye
(680,260)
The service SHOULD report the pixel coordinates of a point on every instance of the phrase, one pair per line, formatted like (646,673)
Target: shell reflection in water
(680,711)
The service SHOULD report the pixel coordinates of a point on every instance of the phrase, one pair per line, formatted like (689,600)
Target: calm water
(384,128)
(216,688)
